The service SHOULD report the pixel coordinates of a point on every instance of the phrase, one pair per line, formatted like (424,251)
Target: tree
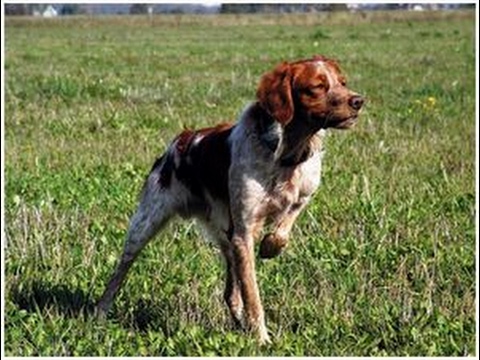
(17,9)
(336,7)
(136,9)
(70,9)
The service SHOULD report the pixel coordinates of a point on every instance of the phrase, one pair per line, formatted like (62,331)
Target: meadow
(382,262)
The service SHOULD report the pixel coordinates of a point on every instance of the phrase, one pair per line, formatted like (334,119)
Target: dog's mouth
(347,123)
(343,123)
(334,122)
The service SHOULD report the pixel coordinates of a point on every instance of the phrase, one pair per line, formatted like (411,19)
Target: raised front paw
(271,246)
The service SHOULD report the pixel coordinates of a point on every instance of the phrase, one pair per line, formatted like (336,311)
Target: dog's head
(313,91)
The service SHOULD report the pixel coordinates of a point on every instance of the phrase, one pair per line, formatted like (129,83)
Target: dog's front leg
(243,250)
(232,294)
(273,243)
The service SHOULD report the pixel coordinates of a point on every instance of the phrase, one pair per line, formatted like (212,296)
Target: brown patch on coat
(205,161)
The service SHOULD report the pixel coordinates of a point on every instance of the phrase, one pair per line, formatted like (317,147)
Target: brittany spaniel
(235,178)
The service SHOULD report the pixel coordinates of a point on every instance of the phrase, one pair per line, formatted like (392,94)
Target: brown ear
(275,93)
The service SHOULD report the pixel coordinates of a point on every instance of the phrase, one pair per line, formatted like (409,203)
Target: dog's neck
(292,144)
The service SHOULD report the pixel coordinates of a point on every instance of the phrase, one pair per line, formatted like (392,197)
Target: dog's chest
(292,186)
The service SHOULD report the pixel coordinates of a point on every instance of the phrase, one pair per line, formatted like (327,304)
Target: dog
(236,178)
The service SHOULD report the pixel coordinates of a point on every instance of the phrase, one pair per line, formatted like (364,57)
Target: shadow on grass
(43,297)
(40,296)
(171,316)
(159,314)
(148,315)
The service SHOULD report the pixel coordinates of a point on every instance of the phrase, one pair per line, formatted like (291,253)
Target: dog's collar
(292,161)
(269,141)
(269,136)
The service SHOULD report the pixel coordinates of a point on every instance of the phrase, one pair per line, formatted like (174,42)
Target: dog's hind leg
(156,207)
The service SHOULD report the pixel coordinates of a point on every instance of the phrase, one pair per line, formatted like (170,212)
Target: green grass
(381,263)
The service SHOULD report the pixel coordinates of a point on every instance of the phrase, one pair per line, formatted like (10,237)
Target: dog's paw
(100,311)
(264,340)
(272,246)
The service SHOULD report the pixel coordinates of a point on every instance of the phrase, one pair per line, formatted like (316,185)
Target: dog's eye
(318,87)
(315,89)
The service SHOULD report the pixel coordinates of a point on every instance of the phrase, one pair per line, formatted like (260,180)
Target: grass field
(381,263)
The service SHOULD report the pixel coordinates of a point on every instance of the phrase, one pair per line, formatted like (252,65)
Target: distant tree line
(238,8)
(138,8)
(30,9)
(279,8)
(290,8)
(19,9)
(86,8)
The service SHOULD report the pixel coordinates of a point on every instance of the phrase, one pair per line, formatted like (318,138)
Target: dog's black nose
(356,102)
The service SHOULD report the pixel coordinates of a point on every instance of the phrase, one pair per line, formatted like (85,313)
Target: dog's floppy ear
(275,93)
